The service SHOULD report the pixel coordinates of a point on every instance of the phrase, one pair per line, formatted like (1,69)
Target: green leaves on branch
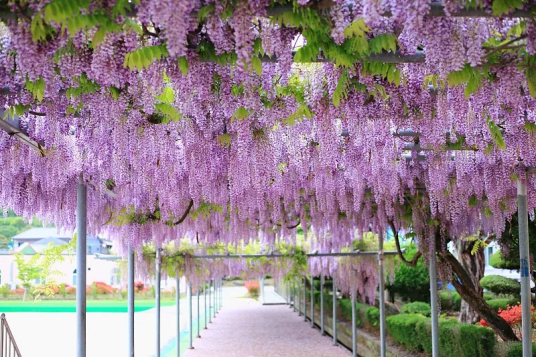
(341,91)
(204,12)
(302,112)
(37,88)
(501,7)
(224,140)
(85,86)
(469,76)
(144,57)
(17,109)
(496,134)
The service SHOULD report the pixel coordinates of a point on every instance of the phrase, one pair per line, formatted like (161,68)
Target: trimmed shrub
(417,307)
(455,339)
(497,304)
(5,290)
(450,300)
(488,297)
(500,285)
(411,283)
(512,349)
(368,317)
(100,288)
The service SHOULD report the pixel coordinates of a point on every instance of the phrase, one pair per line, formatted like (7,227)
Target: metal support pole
(522,218)
(304,299)
(205,298)
(81,270)
(383,345)
(190,318)
(294,296)
(262,289)
(354,332)
(312,303)
(334,312)
(299,298)
(322,330)
(221,293)
(214,297)
(157,301)
(433,305)
(130,288)
(178,302)
(210,301)
(198,315)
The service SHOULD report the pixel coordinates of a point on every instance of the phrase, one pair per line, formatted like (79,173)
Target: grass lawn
(70,305)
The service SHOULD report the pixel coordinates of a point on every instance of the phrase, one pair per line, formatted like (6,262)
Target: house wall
(98,270)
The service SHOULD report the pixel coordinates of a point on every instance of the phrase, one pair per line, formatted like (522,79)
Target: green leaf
(37,88)
(224,140)
(501,7)
(341,91)
(496,134)
(183,65)
(240,113)
(357,28)
(256,63)
(169,111)
(204,12)
(167,96)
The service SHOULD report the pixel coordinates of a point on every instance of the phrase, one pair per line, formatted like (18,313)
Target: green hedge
(450,300)
(497,304)
(512,349)
(417,308)
(367,316)
(500,285)
(455,339)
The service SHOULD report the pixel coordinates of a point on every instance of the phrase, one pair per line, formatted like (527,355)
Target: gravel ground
(246,328)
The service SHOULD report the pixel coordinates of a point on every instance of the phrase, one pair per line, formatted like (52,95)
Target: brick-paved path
(245,328)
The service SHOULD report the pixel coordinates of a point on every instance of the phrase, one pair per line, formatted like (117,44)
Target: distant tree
(8,231)
(4,242)
(28,270)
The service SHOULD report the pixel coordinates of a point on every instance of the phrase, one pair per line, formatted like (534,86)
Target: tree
(474,263)
(28,270)
(4,242)
(411,283)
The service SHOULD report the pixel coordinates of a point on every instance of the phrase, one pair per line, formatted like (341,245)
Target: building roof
(41,233)
(41,244)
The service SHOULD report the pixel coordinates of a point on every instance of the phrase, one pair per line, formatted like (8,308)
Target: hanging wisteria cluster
(241,120)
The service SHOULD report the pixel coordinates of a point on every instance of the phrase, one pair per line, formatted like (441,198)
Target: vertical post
(334,312)
(157,302)
(198,314)
(304,299)
(299,298)
(354,332)
(130,288)
(262,288)
(294,296)
(322,330)
(190,319)
(210,301)
(312,302)
(522,219)
(381,256)
(221,293)
(178,302)
(81,270)
(214,297)
(205,298)
(433,305)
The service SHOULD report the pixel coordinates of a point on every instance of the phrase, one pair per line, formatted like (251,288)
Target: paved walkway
(246,328)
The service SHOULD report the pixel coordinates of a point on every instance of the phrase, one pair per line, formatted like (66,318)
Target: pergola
(225,121)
